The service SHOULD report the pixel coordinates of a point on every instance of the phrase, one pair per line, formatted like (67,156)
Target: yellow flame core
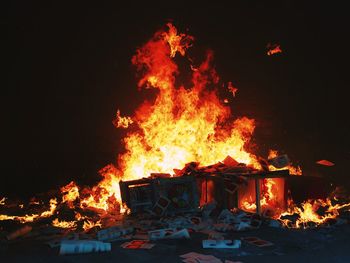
(64,224)
(122,122)
(70,193)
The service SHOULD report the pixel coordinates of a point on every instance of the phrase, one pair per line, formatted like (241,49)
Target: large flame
(182,124)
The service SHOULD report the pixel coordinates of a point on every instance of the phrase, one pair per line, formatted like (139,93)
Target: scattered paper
(257,241)
(83,246)
(168,233)
(161,206)
(113,233)
(137,244)
(194,257)
(279,161)
(209,243)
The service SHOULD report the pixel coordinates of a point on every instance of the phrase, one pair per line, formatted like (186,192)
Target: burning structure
(183,151)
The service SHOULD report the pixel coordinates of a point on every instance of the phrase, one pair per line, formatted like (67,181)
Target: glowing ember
(2,201)
(232,89)
(325,163)
(273,49)
(64,224)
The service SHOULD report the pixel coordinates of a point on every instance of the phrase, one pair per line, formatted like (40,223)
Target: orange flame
(64,224)
(181,125)
(232,89)
(90,224)
(273,49)
(293,170)
(122,122)
(31,218)
(70,193)
(308,212)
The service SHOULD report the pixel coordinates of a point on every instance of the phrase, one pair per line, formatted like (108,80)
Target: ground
(329,244)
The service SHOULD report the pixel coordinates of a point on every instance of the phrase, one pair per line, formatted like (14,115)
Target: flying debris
(325,163)
(273,49)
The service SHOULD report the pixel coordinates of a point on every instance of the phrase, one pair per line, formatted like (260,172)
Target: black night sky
(68,70)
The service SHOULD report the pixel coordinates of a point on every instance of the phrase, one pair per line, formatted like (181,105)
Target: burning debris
(185,169)
(273,49)
(325,163)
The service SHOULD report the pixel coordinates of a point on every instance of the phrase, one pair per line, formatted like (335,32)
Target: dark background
(68,70)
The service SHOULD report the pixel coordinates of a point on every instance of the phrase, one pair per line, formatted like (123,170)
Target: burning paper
(325,163)
(273,49)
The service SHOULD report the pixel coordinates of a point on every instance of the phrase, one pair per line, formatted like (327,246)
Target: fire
(178,43)
(53,205)
(308,212)
(106,195)
(90,224)
(184,123)
(232,89)
(64,224)
(122,122)
(273,49)
(269,199)
(293,170)
(31,218)
(70,193)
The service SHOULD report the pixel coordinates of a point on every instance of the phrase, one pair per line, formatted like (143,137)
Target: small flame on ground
(64,224)
(88,224)
(31,218)
(307,212)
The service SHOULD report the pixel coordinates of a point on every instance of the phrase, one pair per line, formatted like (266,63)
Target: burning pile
(184,123)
